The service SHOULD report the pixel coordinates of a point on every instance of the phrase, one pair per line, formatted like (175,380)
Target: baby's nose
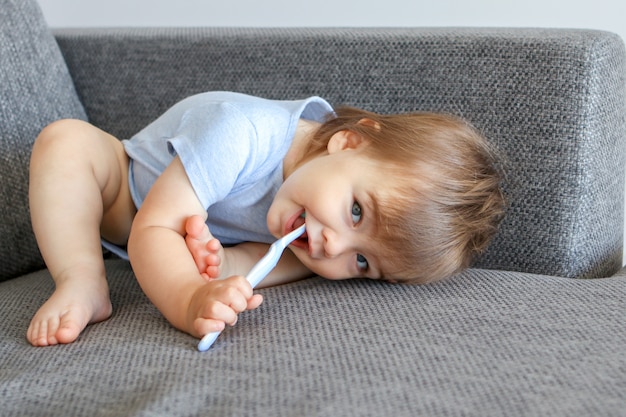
(334,243)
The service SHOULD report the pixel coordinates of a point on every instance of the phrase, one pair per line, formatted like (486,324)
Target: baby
(201,192)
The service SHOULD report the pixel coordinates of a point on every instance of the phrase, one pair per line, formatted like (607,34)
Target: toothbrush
(258,272)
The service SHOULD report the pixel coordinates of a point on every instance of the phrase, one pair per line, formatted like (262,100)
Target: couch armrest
(621,273)
(552,100)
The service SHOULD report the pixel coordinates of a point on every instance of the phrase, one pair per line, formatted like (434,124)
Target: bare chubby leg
(78,193)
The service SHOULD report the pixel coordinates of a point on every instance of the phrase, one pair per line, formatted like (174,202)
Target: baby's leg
(78,191)
(206,250)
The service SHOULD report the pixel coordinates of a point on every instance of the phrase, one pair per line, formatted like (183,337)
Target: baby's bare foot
(73,305)
(206,250)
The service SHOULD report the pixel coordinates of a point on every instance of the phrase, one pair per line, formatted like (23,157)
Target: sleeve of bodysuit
(215,142)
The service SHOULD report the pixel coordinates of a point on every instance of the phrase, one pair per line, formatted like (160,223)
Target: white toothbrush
(258,272)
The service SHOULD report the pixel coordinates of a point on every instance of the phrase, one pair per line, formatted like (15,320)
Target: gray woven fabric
(551,100)
(486,344)
(35,89)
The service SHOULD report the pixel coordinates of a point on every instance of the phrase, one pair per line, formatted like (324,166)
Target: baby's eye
(361,262)
(356,212)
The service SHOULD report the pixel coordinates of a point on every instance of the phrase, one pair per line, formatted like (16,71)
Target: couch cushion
(486,344)
(35,89)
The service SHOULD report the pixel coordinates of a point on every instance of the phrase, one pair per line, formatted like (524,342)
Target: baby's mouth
(303,241)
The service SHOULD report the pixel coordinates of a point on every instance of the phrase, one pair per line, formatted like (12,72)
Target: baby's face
(335,195)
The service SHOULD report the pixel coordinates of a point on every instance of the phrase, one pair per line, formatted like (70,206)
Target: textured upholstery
(552,101)
(35,89)
(490,342)
(486,344)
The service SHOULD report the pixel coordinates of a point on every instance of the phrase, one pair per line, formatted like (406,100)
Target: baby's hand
(206,250)
(218,303)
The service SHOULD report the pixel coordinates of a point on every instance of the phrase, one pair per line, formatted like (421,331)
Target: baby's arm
(165,268)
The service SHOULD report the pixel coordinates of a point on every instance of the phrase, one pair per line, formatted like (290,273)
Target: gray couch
(537,327)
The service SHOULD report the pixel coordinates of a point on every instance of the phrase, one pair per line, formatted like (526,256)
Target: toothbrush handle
(254,277)
(265,265)
(207,341)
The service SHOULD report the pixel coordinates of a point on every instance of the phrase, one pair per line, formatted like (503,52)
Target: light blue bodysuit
(232,148)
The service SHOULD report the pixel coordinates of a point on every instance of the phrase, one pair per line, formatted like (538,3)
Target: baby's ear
(370,123)
(347,139)
(344,140)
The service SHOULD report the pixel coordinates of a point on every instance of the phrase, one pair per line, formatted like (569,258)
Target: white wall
(597,14)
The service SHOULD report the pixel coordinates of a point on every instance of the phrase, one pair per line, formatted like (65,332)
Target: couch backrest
(553,101)
(35,89)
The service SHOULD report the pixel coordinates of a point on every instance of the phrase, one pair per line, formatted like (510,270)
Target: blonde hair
(444,201)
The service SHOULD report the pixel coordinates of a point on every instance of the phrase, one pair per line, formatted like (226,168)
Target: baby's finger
(204,326)
(212,271)
(242,285)
(195,227)
(236,300)
(213,245)
(207,277)
(255,301)
(221,312)
(213,259)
